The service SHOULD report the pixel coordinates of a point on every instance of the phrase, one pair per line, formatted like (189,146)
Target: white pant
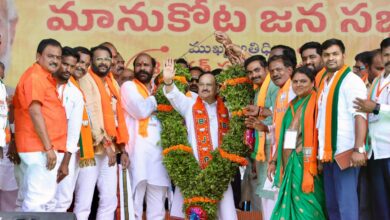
(155,201)
(38,184)
(8,200)
(267,206)
(105,178)
(64,195)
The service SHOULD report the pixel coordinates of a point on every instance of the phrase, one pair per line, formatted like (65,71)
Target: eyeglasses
(359,67)
(194,80)
(101,59)
(205,85)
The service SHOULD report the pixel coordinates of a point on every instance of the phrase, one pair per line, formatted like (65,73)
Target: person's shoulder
(353,80)
(76,91)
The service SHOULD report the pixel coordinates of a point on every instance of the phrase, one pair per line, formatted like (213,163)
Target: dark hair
(197,68)
(2,65)
(260,58)
(286,61)
(288,52)
(68,51)
(46,42)
(83,50)
(373,54)
(145,54)
(363,57)
(183,61)
(311,45)
(216,71)
(330,42)
(305,70)
(100,47)
(385,43)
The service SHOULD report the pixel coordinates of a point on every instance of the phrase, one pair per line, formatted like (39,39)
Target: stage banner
(184,28)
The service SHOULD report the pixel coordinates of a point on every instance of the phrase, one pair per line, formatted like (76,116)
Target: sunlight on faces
(279,73)
(82,66)
(301,84)
(256,73)
(50,59)
(333,58)
(67,67)
(143,68)
(207,88)
(311,59)
(101,62)
(386,59)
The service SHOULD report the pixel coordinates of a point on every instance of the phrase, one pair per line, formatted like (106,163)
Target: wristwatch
(360,150)
(376,109)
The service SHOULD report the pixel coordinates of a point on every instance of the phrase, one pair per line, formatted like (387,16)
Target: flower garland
(202,189)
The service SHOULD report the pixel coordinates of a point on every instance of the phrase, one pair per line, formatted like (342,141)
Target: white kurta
(145,153)
(7,178)
(72,100)
(183,104)
(351,88)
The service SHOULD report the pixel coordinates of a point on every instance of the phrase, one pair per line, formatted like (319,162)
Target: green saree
(292,202)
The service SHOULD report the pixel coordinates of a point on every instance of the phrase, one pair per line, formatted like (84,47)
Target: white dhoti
(64,195)
(38,184)
(8,185)
(226,208)
(267,206)
(105,178)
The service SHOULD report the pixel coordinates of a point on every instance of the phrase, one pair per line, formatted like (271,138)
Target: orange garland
(177,147)
(200,199)
(164,108)
(238,113)
(181,79)
(233,157)
(233,82)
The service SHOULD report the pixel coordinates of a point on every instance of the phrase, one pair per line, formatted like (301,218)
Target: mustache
(386,64)
(254,78)
(103,65)
(53,64)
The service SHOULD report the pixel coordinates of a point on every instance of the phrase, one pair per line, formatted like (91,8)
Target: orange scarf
(87,155)
(310,143)
(281,105)
(259,151)
(143,123)
(202,129)
(119,132)
(320,76)
(331,117)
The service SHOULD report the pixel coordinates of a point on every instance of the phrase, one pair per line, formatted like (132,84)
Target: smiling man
(40,128)
(340,128)
(109,134)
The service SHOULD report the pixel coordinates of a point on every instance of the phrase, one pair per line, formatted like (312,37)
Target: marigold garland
(177,147)
(181,79)
(164,108)
(233,157)
(199,199)
(210,183)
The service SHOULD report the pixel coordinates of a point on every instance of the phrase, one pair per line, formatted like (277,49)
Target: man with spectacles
(109,134)
(206,107)
(195,73)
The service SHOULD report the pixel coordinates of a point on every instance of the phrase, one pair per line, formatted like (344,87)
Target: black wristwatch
(376,109)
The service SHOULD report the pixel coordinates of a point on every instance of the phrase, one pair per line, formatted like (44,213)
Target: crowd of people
(79,118)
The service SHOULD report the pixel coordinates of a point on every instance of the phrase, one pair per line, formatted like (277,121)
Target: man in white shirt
(340,128)
(149,177)
(184,105)
(72,100)
(378,107)
(8,186)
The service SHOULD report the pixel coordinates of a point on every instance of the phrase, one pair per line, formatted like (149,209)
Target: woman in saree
(301,194)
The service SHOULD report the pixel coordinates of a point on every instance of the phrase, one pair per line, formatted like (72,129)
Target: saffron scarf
(143,123)
(260,137)
(119,132)
(331,117)
(309,139)
(202,129)
(281,105)
(320,76)
(87,155)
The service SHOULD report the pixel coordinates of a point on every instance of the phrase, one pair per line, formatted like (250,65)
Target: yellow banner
(184,28)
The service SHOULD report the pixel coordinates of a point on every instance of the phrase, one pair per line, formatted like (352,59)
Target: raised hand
(169,71)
